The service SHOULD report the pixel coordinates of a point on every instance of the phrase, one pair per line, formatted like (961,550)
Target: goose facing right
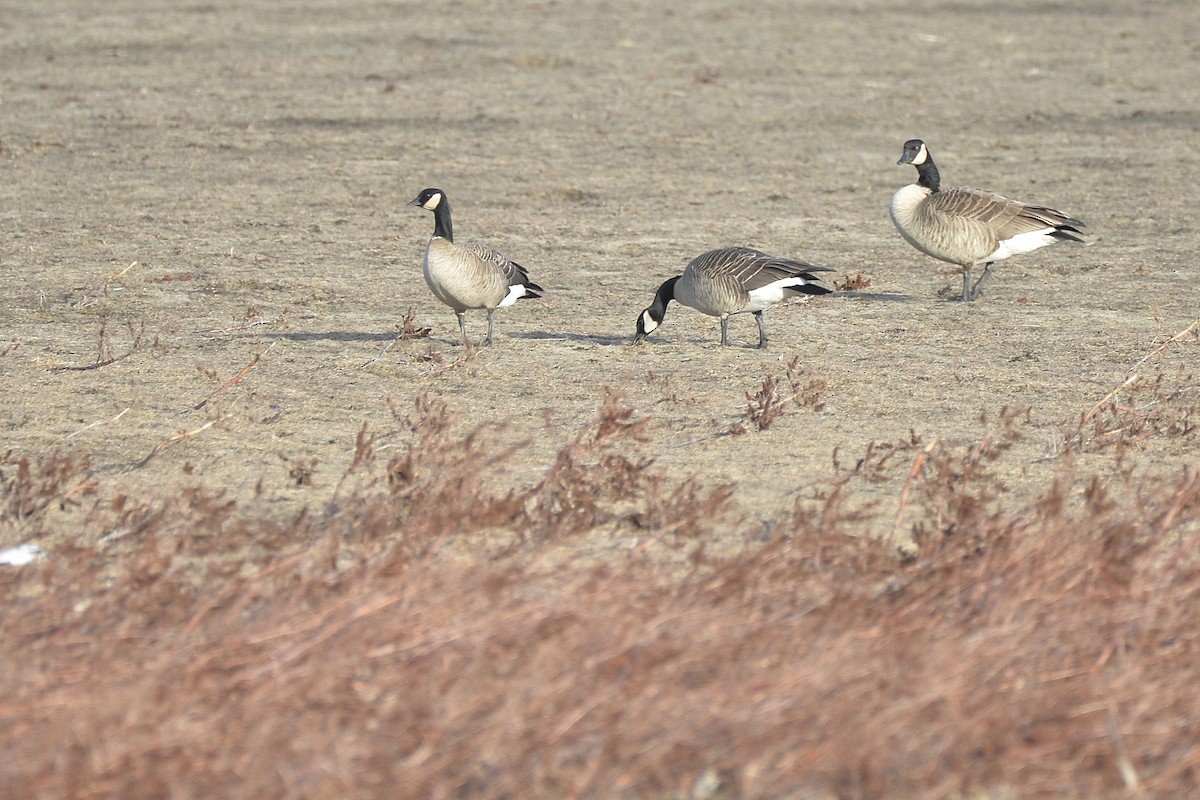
(970,227)
(732,280)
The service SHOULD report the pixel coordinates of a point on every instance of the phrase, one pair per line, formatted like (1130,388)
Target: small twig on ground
(98,423)
(383,352)
(104,286)
(1165,345)
(1133,376)
(233,381)
(245,326)
(116,275)
(172,439)
(468,354)
(1096,408)
(104,356)
(93,366)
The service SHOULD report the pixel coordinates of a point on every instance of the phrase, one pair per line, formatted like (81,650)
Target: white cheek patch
(921,156)
(648,323)
(433,202)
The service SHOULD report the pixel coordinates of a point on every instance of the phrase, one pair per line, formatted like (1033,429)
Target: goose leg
(762,329)
(724,331)
(462,326)
(488,340)
(977,289)
(966,295)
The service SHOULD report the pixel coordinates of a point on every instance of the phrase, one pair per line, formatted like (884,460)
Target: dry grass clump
(105,355)
(1043,650)
(27,488)
(852,283)
(765,406)
(409,329)
(1139,409)
(598,480)
(1142,408)
(960,486)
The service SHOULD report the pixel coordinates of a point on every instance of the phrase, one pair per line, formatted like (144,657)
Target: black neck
(664,295)
(928,175)
(442,226)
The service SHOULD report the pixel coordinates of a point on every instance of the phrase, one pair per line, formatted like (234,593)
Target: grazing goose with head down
(969,227)
(733,280)
(468,276)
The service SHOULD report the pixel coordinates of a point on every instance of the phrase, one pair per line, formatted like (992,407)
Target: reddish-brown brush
(1035,651)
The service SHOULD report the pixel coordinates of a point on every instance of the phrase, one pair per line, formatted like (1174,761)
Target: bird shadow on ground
(607,341)
(893,297)
(334,336)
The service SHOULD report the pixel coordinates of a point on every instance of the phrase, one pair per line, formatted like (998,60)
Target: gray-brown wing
(752,268)
(1006,218)
(513,272)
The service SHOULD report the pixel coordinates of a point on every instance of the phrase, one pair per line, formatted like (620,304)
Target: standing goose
(969,227)
(732,280)
(467,276)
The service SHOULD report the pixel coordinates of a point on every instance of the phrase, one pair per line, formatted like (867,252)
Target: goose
(732,280)
(469,276)
(969,227)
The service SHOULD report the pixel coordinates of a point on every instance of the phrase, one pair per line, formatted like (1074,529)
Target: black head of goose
(733,280)
(469,276)
(970,227)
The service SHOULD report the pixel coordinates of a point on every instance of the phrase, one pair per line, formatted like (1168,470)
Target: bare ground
(207,256)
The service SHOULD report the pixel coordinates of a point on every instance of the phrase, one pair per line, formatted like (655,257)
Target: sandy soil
(212,183)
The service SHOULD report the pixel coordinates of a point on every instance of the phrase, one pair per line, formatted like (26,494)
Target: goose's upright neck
(442,226)
(927,175)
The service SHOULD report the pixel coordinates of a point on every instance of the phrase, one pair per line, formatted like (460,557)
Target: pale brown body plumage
(733,280)
(969,227)
(469,276)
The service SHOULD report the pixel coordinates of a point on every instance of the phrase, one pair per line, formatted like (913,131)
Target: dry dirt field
(207,257)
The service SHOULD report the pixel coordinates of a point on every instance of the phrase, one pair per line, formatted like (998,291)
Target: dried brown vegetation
(767,405)
(852,283)
(1032,651)
(104,349)
(410,329)
(27,489)
(1139,409)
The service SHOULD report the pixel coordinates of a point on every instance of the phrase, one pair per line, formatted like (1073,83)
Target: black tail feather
(1067,234)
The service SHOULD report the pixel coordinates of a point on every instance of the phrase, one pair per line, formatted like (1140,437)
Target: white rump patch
(515,293)
(1022,243)
(771,295)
